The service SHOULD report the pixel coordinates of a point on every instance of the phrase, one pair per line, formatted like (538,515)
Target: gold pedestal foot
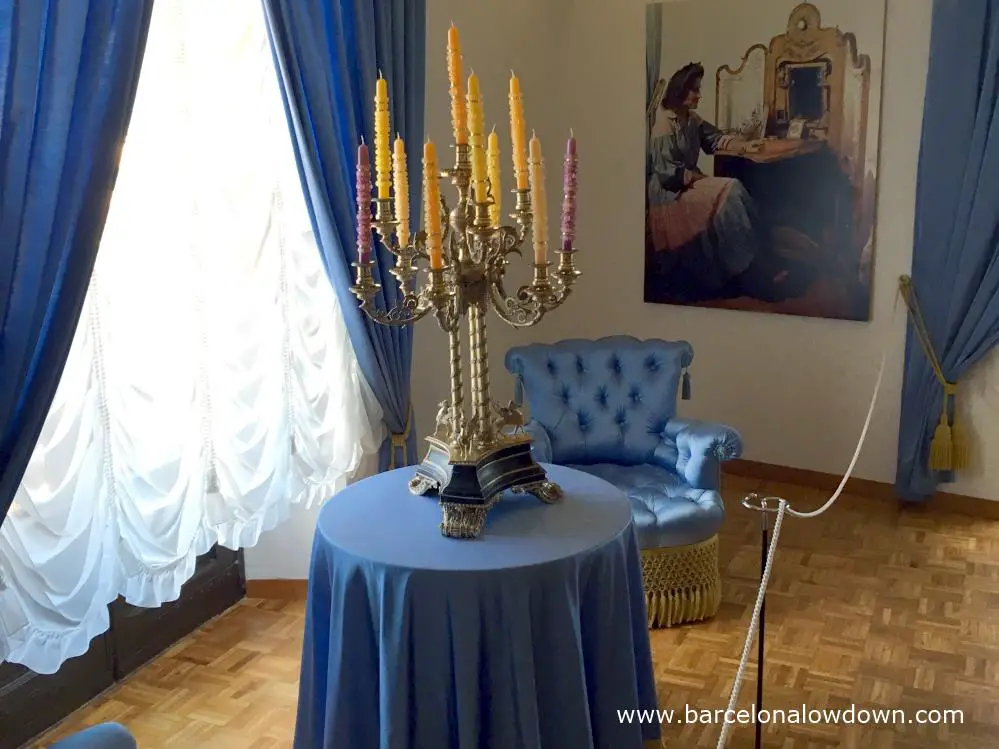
(421,484)
(547,491)
(463,521)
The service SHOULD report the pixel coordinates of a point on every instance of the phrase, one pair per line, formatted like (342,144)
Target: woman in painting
(704,238)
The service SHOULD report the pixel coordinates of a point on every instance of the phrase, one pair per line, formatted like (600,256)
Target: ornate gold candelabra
(474,454)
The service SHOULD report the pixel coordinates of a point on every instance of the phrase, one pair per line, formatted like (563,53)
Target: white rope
(784,508)
(856,454)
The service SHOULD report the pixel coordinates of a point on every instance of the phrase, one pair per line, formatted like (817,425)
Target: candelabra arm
(547,291)
(520,309)
(412,307)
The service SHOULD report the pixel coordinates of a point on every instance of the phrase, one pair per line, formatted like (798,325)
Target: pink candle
(363,205)
(569,194)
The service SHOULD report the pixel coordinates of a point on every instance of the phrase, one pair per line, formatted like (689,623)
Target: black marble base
(510,467)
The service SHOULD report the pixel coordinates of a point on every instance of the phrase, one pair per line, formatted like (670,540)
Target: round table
(532,636)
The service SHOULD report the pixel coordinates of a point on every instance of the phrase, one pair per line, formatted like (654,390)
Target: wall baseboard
(942,501)
(294,590)
(284,590)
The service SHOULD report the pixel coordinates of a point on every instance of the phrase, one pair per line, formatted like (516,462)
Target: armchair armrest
(701,447)
(542,447)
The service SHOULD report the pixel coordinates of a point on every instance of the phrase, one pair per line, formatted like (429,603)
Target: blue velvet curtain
(68,74)
(328,54)
(955,267)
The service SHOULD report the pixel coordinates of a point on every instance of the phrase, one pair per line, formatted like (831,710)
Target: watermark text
(803,715)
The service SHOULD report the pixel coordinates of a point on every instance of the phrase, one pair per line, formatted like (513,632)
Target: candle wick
(493,130)
(362,140)
(379,72)
(571,135)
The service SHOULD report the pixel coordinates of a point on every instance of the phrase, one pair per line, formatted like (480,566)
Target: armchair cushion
(666,510)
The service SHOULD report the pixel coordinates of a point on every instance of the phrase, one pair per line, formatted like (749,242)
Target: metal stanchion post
(761,635)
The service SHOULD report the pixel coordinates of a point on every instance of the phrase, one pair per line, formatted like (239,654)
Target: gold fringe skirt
(682,583)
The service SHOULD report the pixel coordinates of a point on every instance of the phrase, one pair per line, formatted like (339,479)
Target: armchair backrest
(602,401)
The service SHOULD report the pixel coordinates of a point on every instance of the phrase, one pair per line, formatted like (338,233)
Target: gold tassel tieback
(949,449)
(942,447)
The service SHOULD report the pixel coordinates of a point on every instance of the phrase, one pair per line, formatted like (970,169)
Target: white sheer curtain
(211,386)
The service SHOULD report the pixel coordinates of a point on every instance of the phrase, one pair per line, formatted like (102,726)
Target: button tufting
(601,397)
(580,366)
(621,418)
(552,367)
(564,394)
(635,395)
(584,421)
(652,363)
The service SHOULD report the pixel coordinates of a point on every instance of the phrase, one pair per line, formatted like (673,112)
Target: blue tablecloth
(531,637)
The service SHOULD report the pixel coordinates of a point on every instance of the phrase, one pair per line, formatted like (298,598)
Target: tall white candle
(539,202)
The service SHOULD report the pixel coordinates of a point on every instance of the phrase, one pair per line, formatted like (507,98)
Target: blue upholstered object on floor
(103,736)
(608,407)
(666,511)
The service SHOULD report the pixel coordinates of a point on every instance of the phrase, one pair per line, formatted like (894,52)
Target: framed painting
(761,154)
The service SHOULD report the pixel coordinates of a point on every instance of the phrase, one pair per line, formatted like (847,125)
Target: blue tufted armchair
(608,407)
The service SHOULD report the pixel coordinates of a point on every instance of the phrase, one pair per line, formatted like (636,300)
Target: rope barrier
(783,508)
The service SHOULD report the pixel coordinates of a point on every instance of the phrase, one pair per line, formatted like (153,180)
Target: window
(211,386)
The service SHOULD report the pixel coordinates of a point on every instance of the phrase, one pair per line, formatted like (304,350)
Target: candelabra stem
(457,386)
(480,369)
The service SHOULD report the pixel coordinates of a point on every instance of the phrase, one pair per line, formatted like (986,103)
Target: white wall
(797,388)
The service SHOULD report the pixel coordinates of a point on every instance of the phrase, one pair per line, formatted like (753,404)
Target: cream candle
(539,205)
(401,190)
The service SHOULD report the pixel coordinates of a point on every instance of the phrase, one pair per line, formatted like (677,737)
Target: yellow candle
(432,205)
(401,190)
(493,168)
(382,159)
(454,77)
(476,139)
(517,134)
(539,203)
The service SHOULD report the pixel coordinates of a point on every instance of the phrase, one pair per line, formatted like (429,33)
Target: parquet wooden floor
(869,605)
